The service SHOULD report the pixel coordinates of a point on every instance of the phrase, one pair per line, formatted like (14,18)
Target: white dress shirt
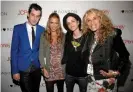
(29,31)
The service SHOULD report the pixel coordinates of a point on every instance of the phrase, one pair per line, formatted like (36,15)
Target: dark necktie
(33,35)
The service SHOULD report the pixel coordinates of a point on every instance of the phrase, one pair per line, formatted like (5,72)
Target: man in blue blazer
(25,66)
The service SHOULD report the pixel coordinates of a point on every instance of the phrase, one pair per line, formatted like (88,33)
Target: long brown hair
(106,24)
(59,30)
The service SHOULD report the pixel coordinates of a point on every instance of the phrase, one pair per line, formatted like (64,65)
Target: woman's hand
(110,73)
(111,81)
(45,73)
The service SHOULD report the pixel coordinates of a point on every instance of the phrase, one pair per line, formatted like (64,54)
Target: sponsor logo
(126,11)
(65,11)
(5,73)
(4,13)
(13,85)
(5,45)
(128,41)
(22,12)
(120,26)
(6,29)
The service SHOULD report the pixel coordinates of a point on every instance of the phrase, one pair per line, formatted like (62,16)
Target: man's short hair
(36,7)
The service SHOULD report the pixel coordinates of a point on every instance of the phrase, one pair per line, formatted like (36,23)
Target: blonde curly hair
(106,24)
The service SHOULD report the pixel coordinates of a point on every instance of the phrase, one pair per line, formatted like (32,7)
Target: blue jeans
(81,81)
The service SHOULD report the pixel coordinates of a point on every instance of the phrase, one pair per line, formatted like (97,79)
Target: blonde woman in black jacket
(104,43)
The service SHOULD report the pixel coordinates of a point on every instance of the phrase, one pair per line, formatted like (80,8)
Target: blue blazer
(21,52)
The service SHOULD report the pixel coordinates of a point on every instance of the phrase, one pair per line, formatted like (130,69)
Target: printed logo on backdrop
(5,45)
(126,11)
(6,29)
(75,11)
(13,86)
(22,12)
(126,41)
(64,11)
(4,13)
(5,73)
(121,26)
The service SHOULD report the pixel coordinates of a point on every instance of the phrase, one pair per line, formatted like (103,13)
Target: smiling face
(54,24)
(72,23)
(93,22)
(34,17)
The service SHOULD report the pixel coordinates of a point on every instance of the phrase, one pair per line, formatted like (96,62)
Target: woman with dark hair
(51,51)
(74,43)
(104,43)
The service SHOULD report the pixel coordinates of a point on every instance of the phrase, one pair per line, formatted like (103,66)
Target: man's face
(34,17)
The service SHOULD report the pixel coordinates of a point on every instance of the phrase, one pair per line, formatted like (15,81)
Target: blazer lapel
(97,47)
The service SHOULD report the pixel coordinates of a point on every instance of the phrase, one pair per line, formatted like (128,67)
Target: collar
(29,27)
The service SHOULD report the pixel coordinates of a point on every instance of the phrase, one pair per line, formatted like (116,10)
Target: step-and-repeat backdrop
(15,12)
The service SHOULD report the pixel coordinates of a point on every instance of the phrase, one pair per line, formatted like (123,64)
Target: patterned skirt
(103,85)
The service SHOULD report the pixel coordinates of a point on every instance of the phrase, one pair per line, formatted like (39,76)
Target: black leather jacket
(105,56)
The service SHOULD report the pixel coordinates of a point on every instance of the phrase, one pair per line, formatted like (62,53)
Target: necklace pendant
(75,48)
